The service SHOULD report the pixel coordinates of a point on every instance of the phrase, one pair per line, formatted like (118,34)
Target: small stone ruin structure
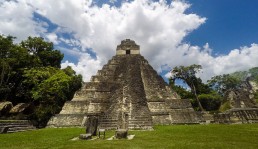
(243,108)
(126,94)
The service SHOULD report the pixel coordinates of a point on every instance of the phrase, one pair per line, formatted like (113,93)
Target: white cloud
(155,26)
(237,60)
(159,29)
(16,19)
(52,37)
(87,66)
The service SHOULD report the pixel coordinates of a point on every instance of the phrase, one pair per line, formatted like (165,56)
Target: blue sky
(230,24)
(220,35)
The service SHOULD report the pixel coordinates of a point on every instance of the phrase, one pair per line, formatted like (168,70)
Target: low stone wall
(11,126)
(238,115)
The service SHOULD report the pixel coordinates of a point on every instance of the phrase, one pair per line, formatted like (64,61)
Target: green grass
(176,136)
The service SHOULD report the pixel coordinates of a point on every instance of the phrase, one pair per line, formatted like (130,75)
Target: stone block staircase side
(154,86)
(16,125)
(139,117)
(108,121)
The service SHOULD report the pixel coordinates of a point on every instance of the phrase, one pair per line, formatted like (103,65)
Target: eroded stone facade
(126,93)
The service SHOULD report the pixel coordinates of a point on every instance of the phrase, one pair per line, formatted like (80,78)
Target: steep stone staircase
(11,126)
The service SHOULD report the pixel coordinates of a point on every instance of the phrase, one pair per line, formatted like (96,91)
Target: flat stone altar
(126,94)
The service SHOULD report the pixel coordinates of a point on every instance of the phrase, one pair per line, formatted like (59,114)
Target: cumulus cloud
(158,27)
(52,38)
(237,60)
(16,19)
(86,66)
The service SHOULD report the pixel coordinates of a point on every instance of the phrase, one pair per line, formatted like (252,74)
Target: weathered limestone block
(5,107)
(75,107)
(20,107)
(92,125)
(102,132)
(85,136)
(179,103)
(163,119)
(66,120)
(121,133)
(183,116)
(4,130)
(96,107)
(157,106)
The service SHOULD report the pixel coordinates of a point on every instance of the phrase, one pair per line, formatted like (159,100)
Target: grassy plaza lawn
(242,136)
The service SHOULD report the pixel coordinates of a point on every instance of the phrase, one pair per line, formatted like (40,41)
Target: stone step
(21,128)
(13,131)
(140,122)
(108,126)
(104,121)
(13,124)
(149,127)
(108,121)
(16,125)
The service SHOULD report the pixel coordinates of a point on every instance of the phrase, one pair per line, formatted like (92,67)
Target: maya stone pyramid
(126,93)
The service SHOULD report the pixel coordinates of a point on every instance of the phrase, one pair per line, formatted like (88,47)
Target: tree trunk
(197,99)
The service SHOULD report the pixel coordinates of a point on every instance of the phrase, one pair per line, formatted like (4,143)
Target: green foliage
(183,93)
(210,102)
(224,82)
(256,79)
(225,106)
(188,75)
(43,51)
(256,96)
(30,72)
(12,57)
(50,87)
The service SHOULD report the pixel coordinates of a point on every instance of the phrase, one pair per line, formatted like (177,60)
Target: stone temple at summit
(126,93)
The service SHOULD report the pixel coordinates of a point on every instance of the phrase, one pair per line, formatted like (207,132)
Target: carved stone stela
(127,93)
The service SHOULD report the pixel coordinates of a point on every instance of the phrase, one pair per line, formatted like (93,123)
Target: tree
(188,75)
(211,101)
(182,92)
(224,82)
(13,59)
(44,51)
(48,88)
(30,73)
